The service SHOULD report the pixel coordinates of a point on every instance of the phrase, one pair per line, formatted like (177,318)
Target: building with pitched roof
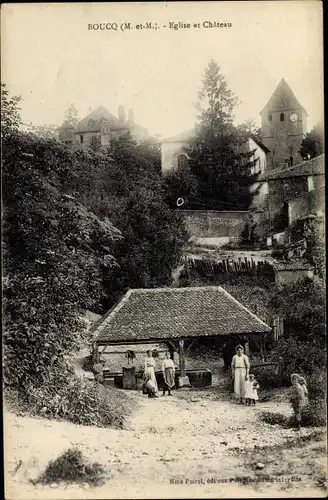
(297,190)
(283,127)
(176,317)
(101,126)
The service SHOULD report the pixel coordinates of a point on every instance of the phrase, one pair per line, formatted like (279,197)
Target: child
(302,383)
(251,390)
(297,399)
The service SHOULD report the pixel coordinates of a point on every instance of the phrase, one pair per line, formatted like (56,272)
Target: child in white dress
(302,383)
(251,390)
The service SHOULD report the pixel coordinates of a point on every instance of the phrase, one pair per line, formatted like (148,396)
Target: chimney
(121,114)
(131,116)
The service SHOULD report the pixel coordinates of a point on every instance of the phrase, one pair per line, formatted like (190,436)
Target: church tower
(283,127)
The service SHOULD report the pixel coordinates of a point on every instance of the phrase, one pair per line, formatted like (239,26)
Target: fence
(246,266)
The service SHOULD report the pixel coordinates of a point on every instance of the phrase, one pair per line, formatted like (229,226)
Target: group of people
(245,385)
(150,386)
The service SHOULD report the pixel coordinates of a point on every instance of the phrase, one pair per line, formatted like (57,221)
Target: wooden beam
(246,340)
(103,350)
(182,361)
(173,346)
(190,345)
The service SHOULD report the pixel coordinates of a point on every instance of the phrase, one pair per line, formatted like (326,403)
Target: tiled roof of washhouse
(171,313)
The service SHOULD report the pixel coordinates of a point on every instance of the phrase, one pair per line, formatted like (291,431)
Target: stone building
(283,127)
(101,126)
(295,191)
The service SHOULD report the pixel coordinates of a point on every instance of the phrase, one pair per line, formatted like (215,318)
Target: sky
(52,59)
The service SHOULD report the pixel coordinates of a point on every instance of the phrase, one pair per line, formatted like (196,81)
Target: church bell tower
(283,127)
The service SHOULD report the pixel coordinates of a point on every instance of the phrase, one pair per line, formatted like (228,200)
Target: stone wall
(308,203)
(292,276)
(282,190)
(215,224)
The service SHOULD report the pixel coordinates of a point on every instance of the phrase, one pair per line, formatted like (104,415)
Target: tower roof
(282,99)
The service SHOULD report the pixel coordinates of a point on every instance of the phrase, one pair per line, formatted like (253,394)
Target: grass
(72,467)
(76,401)
(312,416)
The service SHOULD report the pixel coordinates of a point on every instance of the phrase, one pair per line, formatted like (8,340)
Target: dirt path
(170,445)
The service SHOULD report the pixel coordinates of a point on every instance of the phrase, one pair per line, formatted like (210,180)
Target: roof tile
(168,313)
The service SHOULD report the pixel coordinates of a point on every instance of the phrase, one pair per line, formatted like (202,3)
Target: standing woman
(150,369)
(168,370)
(240,370)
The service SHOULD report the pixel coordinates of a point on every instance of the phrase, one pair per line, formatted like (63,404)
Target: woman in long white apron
(150,369)
(240,369)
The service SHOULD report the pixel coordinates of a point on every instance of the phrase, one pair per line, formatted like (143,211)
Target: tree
(58,255)
(153,234)
(72,115)
(218,155)
(10,112)
(249,127)
(44,131)
(312,144)
(180,183)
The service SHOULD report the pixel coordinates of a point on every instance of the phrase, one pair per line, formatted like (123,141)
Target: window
(282,117)
(182,160)
(81,138)
(270,117)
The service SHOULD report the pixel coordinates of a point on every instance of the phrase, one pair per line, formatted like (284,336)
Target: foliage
(44,131)
(10,112)
(313,142)
(218,154)
(297,356)
(95,143)
(61,250)
(72,115)
(181,183)
(72,467)
(268,376)
(302,304)
(274,418)
(80,401)
(249,127)
(153,232)
(312,230)
(53,248)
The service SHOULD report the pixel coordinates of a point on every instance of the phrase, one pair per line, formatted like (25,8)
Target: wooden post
(95,353)
(182,361)
(261,347)
(247,352)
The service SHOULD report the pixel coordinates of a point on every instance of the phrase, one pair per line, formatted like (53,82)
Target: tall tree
(10,112)
(218,155)
(72,115)
(313,143)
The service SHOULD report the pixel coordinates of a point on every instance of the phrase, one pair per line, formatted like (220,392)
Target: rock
(260,465)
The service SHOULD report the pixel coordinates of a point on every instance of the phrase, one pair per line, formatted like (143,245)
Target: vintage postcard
(163,250)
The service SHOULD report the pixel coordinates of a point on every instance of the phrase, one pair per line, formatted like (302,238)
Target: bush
(72,467)
(314,414)
(267,376)
(275,418)
(299,357)
(81,402)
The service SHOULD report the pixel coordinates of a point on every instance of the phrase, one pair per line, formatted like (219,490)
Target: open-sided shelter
(176,317)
